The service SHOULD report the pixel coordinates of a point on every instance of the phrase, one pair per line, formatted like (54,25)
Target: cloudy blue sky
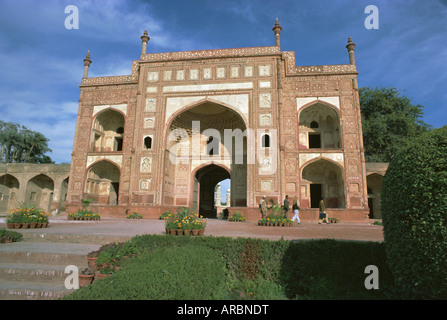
(41,61)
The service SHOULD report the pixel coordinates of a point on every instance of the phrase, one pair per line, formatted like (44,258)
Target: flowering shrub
(185,219)
(165,215)
(275,220)
(84,214)
(27,214)
(134,215)
(237,216)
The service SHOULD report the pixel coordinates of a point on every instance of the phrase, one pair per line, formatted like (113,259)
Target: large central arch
(201,140)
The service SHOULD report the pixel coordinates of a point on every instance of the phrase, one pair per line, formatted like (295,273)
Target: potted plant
(33,221)
(10,221)
(170,225)
(17,221)
(44,219)
(92,257)
(25,221)
(86,277)
(105,271)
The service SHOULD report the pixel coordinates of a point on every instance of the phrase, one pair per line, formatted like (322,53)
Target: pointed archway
(205,181)
(203,134)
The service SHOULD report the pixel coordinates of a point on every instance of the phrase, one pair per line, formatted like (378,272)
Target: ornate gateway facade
(181,122)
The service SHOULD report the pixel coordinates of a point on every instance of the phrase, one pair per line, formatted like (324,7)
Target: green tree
(19,144)
(414,208)
(389,122)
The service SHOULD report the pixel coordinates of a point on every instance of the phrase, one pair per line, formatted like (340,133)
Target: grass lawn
(157,267)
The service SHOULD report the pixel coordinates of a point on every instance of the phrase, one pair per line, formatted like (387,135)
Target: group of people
(322,216)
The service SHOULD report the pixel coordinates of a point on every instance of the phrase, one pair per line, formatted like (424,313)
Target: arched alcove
(108,131)
(102,183)
(323,178)
(39,192)
(319,127)
(9,188)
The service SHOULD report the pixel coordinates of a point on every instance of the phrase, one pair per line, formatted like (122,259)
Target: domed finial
(350,46)
(144,38)
(277,30)
(87,60)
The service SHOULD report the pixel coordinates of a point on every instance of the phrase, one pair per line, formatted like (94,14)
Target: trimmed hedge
(414,208)
(9,236)
(179,267)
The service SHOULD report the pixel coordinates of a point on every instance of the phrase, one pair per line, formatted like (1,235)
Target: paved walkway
(127,228)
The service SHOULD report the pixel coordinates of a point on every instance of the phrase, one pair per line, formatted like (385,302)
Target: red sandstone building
(165,135)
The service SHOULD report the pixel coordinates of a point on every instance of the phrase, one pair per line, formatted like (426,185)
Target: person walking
(263,207)
(296,209)
(323,214)
(286,207)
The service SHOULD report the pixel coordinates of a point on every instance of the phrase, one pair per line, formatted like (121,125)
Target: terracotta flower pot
(32,225)
(172,232)
(10,225)
(85,280)
(17,225)
(201,231)
(25,225)
(179,232)
(187,232)
(92,262)
(100,275)
(195,232)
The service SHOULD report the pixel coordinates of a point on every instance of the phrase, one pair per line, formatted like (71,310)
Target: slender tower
(277,30)
(87,63)
(144,39)
(350,46)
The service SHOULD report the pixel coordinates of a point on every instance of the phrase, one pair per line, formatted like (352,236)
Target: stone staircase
(34,268)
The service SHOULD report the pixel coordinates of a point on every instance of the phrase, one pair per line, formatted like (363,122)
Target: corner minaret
(144,38)
(350,46)
(87,63)
(277,30)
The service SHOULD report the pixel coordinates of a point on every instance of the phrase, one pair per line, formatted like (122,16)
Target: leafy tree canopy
(19,144)
(389,122)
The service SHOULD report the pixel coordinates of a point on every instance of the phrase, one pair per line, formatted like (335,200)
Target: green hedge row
(414,209)
(190,268)
(9,236)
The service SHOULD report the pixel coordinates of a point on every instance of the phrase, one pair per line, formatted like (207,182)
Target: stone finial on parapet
(87,63)
(144,38)
(277,30)
(350,46)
